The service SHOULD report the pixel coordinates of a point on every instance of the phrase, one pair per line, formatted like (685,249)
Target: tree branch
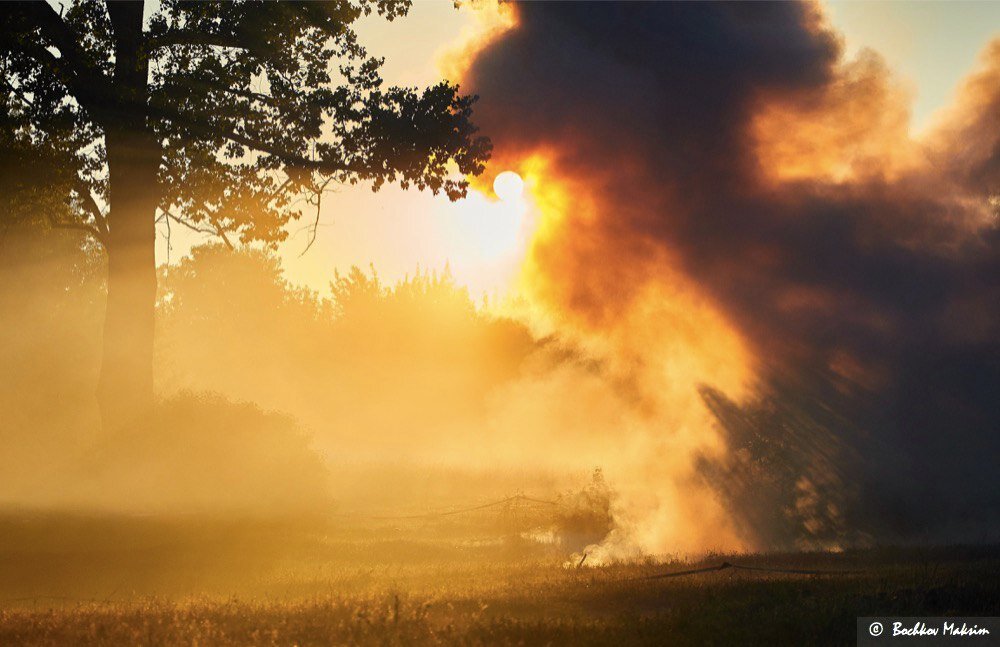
(266,99)
(210,86)
(192,37)
(297,160)
(218,231)
(319,205)
(80,226)
(221,232)
(17,91)
(90,87)
(100,220)
(169,239)
(277,191)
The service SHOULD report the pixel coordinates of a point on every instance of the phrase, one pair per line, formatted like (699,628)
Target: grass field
(85,580)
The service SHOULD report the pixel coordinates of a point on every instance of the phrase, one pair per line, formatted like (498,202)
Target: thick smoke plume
(799,301)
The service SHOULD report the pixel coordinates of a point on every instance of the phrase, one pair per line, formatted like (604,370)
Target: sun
(508,186)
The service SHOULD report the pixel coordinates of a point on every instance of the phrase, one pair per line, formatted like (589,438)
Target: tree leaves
(252,103)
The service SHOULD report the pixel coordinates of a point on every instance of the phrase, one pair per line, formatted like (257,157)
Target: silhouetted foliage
(213,116)
(241,103)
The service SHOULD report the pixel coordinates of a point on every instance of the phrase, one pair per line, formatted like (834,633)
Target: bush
(203,453)
(586,517)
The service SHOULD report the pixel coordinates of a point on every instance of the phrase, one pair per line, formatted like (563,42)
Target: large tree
(217,116)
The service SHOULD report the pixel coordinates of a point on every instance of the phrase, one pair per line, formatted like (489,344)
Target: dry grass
(87,581)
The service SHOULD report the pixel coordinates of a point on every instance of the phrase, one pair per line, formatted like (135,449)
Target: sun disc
(508,186)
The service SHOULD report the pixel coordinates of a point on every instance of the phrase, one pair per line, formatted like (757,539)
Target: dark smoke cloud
(886,279)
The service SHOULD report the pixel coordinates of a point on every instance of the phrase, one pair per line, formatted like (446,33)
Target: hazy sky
(930,45)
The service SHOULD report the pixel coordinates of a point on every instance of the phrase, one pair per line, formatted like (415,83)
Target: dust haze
(734,327)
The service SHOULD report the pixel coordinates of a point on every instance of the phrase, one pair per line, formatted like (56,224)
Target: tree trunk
(125,390)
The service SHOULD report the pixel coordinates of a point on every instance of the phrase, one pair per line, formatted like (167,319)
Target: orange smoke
(967,136)
(656,338)
(654,334)
(855,128)
(491,19)
(719,198)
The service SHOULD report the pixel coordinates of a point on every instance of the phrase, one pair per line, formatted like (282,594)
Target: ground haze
(469,579)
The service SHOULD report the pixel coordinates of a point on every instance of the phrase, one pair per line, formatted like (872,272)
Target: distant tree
(334,359)
(425,298)
(210,115)
(356,294)
(435,288)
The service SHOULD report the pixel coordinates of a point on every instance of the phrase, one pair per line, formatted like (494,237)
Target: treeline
(369,370)
(371,364)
